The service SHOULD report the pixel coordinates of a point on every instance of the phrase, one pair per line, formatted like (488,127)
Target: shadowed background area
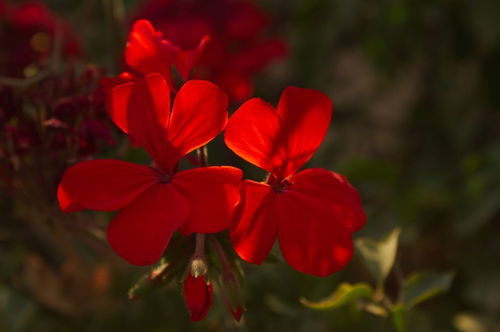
(415,84)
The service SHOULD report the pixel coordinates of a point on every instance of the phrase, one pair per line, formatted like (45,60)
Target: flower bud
(197,296)
(232,294)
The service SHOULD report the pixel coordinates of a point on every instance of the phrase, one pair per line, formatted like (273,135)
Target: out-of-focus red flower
(148,52)
(156,201)
(312,212)
(62,115)
(197,296)
(27,34)
(238,48)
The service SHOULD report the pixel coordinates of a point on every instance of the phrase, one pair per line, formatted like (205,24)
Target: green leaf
(343,294)
(398,317)
(420,287)
(379,255)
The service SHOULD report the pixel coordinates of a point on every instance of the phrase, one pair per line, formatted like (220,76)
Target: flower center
(281,186)
(277,184)
(163,177)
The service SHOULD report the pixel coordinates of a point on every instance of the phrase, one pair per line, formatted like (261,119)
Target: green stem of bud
(198,265)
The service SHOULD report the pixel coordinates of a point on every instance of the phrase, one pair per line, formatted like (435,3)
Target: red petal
(256,222)
(198,115)
(141,109)
(253,134)
(283,140)
(197,297)
(212,193)
(185,60)
(305,116)
(316,215)
(147,52)
(141,231)
(343,197)
(105,185)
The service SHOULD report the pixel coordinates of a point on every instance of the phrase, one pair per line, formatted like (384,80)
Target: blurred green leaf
(160,276)
(379,255)
(398,317)
(375,309)
(343,294)
(280,306)
(422,286)
(149,282)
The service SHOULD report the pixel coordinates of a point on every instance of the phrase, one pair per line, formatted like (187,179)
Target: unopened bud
(232,293)
(197,296)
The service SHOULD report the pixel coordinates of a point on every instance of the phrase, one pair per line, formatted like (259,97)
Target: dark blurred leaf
(280,306)
(379,255)
(160,276)
(343,294)
(115,32)
(422,286)
(364,170)
(16,311)
(149,282)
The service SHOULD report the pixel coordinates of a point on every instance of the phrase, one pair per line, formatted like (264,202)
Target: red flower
(312,212)
(197,296)
(238,49)
(156,201)
(148,52)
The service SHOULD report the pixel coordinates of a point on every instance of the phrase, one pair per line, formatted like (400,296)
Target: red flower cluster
(27,33)
(312,212)
(238,48)
(60,115)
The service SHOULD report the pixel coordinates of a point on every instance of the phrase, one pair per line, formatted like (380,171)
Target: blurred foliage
(416,130)
(379,257)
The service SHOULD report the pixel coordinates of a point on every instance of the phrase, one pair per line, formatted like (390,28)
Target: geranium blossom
(156,201)
(312,212)
(148,52)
